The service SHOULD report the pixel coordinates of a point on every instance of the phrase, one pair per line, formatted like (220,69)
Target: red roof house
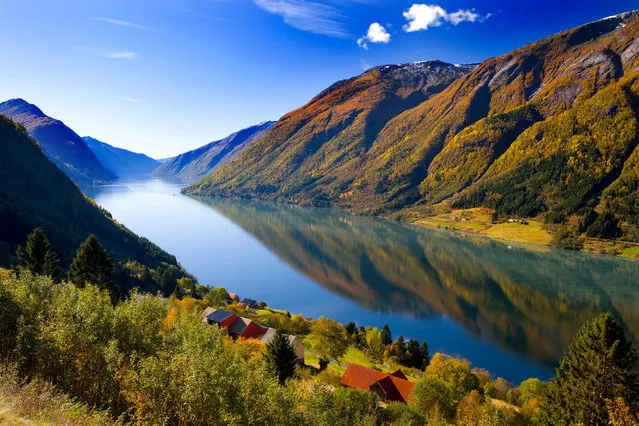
(389,387)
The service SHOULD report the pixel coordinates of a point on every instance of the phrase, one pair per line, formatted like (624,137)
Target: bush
(432,393)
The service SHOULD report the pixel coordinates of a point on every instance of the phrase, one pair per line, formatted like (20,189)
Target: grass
(38,404)
(632,252)
(479,221)
(531,233)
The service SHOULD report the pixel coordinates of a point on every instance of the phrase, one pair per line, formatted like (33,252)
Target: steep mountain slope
(121,162)
(35,193)
(61,144)
(548,127)
(196,164)
(314,152)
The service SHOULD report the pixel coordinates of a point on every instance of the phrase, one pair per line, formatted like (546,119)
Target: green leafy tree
(168,281)
(600,366)
(281,357)
(432,394)
(216,297)
(92,264)
(454,373)
(328,340)
(386,335)
(38,256)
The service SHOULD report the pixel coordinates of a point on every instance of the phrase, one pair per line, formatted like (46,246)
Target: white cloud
(424,16)
(121,55)
(121,23)
(133,100)
(308,16)
(376,34)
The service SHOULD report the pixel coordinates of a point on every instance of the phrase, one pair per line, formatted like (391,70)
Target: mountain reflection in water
(530,301)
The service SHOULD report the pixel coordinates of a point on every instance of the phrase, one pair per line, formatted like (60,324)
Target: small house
(388,387)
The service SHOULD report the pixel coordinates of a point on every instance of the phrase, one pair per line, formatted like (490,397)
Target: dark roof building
(237,326)
(389,387)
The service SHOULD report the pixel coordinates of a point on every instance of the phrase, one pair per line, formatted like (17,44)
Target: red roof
(394,387)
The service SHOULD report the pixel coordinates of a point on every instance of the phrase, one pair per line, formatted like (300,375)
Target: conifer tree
(92,264)
(415,356)
(386,335)
(600,366)
(281,356)
(423,349)
(37,255)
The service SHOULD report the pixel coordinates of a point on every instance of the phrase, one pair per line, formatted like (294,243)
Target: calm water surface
(510,310)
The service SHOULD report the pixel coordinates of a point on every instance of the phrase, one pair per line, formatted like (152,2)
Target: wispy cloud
(376,34)
(308,16)
(121,55)
(200,14)
(121,23)
(424,16)
(132,100)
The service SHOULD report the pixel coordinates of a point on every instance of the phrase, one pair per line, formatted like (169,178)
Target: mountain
(313,153)
(121,162)
(61,144)
(35,193)
(551,127)
(196,164)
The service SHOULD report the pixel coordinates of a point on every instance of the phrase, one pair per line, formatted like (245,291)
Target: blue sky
(165,76)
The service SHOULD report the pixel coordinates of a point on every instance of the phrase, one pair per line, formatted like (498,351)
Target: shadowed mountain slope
(61,144)
(121,162)
(196,164)
(35,193)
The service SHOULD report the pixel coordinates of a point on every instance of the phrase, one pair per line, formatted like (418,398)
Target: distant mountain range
(121,162)
(550,128)
(196,164)
(61,144)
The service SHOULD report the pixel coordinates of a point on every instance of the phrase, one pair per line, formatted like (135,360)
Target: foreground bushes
(149,360)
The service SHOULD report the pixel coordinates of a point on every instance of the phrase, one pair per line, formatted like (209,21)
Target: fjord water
(511,310)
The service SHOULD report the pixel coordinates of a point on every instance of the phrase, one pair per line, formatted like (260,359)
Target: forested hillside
(35,193)
(549,129)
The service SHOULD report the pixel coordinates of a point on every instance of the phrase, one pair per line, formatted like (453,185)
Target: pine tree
(600,366)
(423,349)
(415,356)
(37,255)
(386,335)
(281,356)
(93,265)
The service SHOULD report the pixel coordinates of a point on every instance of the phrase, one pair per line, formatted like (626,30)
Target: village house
(388,387)
(238,326)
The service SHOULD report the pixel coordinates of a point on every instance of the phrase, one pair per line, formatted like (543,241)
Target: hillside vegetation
(151,361)
(549,129)
(35,193)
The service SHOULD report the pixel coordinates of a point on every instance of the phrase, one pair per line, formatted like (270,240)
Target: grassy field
(632,252)
(532,233)
(479,221)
